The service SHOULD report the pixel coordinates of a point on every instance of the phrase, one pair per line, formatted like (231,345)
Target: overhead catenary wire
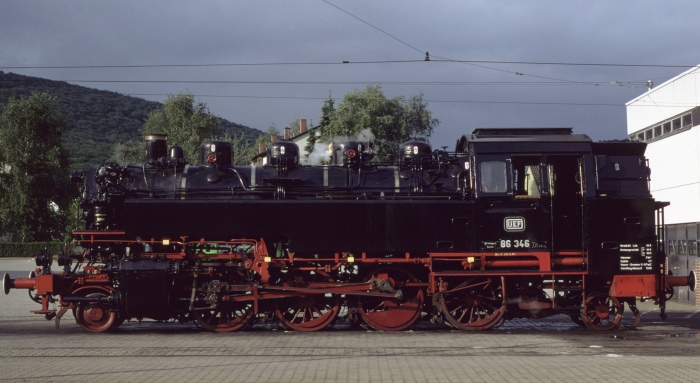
(472,63)
(422,83)
(427,100)
(359,82)
(434,59)
(551,81)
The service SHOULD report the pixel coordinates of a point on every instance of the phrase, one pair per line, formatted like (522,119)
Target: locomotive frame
(513,223)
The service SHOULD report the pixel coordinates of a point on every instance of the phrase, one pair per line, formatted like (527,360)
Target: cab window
(494,178)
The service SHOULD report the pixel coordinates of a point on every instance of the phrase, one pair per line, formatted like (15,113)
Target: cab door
(566,191)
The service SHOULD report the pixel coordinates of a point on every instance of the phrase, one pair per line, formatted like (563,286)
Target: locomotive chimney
(261,147)
(273,138)
(302,125)
(156,147)
(287,133)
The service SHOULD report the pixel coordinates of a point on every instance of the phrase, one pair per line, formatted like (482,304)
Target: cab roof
(524,140)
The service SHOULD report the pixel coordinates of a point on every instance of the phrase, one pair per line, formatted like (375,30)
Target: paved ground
(549,350)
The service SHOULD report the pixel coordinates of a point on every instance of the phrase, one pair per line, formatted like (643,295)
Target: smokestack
(261,147)
(287,133)
(273,138)
(302,125)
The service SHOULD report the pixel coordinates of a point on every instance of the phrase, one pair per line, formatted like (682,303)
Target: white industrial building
(667,118)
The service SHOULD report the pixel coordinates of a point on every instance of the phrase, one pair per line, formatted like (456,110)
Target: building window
(681,122)
(667,127)
(676,123)
(688,120)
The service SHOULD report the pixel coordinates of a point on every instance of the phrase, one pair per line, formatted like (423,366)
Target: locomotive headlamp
(212,148)
(415,149)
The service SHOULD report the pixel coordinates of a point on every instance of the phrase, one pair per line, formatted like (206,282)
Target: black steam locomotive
(513,223)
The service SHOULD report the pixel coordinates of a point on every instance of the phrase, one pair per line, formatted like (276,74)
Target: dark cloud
(78,33)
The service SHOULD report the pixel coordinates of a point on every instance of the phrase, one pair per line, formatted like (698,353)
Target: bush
(28,249)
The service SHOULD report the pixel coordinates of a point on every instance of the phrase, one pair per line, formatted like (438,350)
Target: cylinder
(502,263)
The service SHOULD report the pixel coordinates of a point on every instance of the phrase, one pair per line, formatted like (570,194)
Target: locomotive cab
(529,194)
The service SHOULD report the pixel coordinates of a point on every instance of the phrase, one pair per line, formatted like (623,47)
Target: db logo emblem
(514,224)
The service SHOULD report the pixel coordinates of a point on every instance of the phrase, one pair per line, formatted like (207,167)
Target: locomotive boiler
(513,223)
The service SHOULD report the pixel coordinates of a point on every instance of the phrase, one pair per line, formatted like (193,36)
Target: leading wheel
(226,317)
(393,314)
(95,317)
(477,303)
(601,312)
(310,312)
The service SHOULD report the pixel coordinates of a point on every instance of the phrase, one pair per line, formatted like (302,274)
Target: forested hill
(96,119)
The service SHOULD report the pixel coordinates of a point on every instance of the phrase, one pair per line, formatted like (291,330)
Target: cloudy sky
(262,62)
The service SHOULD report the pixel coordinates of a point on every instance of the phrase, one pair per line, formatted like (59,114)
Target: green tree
(35,191)
(244,149)
(131,152)
(273,131)
(295,127)
(390,121)
(187,124)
